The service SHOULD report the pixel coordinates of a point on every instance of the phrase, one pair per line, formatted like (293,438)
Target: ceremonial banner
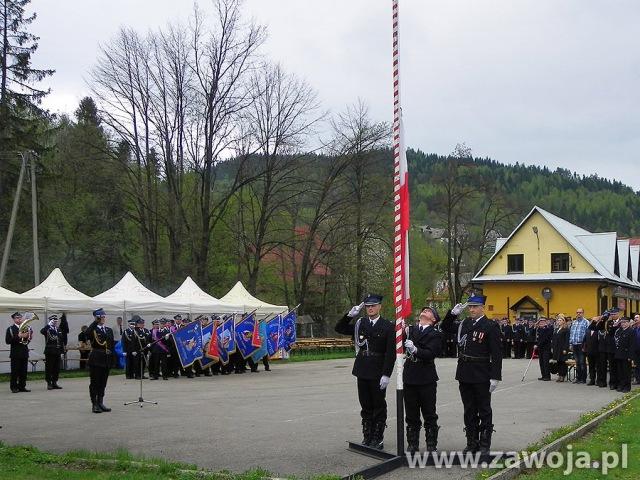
(273,334)
(263,350)
(245,335)
(212,350)
(289,330)
(226,344)
(207,338)
(188,341)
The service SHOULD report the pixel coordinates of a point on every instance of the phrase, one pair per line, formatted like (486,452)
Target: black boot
(377,440)
(56,386)
(101,405)
(367,432)
(49,386)
(431,437)
(95,408)
(485,439)
(413,438)
(472,440)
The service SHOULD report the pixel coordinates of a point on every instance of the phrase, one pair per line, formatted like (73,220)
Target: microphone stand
(141,401)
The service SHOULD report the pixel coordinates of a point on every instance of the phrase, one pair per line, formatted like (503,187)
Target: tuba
(24,326)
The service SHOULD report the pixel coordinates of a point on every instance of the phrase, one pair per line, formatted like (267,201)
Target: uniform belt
(365,353)
(470,358)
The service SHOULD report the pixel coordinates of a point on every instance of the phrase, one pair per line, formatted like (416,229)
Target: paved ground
(293,420)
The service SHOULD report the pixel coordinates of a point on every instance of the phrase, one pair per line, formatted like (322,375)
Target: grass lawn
(28,463)
(34,376)
(609,436)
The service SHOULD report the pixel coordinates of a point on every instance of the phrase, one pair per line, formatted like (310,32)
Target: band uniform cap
(99,312)
(614,310)
(53,317)
(372,299)
(476,300)
(177,317)
(155,322)
(16,315)
(163,320)
(138,319)
(625,319)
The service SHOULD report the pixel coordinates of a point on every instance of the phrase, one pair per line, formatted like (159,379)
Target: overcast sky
(545,82)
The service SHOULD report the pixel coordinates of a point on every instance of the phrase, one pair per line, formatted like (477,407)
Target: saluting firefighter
(423,345)
(479,369)
(141,338)
(53,349)
(102,344)
(19,353)
(128,339)
(375,346)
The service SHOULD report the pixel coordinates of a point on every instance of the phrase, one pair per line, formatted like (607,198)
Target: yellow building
(549,266)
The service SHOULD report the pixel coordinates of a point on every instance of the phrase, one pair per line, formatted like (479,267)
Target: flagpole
(401,294)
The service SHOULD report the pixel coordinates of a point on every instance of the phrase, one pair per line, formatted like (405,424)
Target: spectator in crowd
(577,335)
(560,346)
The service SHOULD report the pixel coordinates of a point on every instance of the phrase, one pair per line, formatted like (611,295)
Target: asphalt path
(293,420)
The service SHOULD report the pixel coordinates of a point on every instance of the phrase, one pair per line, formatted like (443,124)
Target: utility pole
(12,222)
(34,214)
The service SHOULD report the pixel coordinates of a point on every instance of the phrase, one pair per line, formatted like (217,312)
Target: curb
(516,469)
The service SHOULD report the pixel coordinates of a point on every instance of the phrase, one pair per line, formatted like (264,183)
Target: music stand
(141,401)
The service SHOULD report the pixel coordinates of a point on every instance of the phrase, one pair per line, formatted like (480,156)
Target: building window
(559,262)
(515,263)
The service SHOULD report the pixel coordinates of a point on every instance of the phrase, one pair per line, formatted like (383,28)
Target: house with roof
(549,266)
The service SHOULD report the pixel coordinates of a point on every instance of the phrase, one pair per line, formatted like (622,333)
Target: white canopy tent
(53,294)
(14,301)
(239,295)
(199,301)
(129,295)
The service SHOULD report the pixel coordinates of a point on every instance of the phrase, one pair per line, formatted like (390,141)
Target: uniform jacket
(544,338)
(507,333)
(590,345)
(17,349)
(560,344)
(128,339)
(377,360)
(623,343)
(54,341)
(479,349)
(420,368)
(102,344)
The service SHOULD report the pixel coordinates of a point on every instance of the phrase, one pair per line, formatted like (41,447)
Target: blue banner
(188,340)
(273,333)
(263,350)
(289,330)
(245,330)
(207,332)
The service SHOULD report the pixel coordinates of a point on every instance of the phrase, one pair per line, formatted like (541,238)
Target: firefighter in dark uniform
(623,338)
(518,339)
(102,344)
(423,344)
(611,327)
(127,346)
(374,337)
(18,353)
(544,337)
(507,337)
(591,351)
(53,349)
(479,370)
(529,338)
(141,338)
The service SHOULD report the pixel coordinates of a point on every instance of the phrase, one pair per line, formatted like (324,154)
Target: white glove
(457,310)
(148,345)
(134,353)
(124,354)
(493,384)
(355,310)
(411,348)
(166,337)
(384,381)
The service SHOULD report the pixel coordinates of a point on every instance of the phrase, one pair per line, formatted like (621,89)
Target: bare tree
(281,117)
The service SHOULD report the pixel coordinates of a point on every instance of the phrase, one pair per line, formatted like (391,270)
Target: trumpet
(24,326)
